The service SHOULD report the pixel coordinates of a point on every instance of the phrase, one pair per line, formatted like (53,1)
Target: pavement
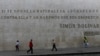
(95,51)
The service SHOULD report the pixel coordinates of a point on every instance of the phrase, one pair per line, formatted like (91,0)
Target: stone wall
(23,26)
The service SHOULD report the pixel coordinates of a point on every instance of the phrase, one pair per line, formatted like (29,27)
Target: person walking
(85,42)
(53,46)
(17,45)
(30,47)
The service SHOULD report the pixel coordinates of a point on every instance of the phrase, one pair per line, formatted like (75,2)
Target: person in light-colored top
(17,45)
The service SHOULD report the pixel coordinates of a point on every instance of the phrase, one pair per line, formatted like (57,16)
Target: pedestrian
(30,47)
(85,42)
(17,45)
(53,45)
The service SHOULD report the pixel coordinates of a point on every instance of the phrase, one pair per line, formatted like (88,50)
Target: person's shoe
(31,52)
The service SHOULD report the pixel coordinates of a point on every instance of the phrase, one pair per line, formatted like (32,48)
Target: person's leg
(31,50)
(55,48)
(28,51)
(52,48)
(85,45)
(18,48)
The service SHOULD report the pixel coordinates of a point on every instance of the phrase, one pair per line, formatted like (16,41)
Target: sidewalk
(44,52)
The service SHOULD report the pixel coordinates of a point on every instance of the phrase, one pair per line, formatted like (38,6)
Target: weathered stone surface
(18,22)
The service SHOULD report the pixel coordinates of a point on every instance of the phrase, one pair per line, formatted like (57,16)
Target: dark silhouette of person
(53,46)
(30,47)
(17,45)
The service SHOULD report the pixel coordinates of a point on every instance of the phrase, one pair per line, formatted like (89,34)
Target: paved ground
(91,51)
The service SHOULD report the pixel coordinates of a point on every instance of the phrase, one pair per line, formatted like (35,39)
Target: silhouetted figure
(85,42)
(17,45)
(54,45)
(31,47)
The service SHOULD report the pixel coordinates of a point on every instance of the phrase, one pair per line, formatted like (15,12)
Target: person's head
(17,40)
(85,37)
(31,39)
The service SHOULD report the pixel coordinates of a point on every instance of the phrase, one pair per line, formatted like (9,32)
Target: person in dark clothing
(31,47)
(53,45)
(17,45)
